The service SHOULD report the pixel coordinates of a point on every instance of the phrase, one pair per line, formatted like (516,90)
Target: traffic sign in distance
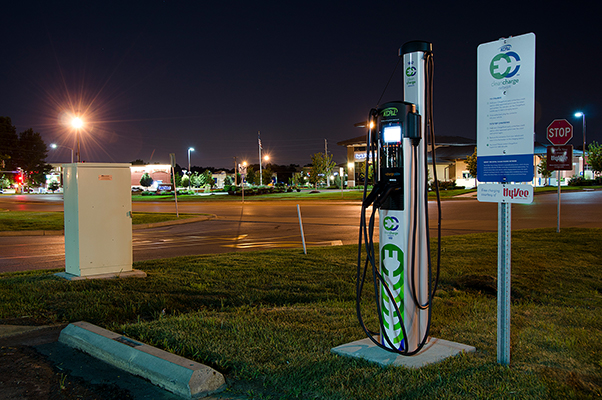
(559,132)
(560,158)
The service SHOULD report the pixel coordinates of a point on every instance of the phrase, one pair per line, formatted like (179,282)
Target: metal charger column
(416,318)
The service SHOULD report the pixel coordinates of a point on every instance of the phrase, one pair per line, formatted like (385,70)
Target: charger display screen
(392,134)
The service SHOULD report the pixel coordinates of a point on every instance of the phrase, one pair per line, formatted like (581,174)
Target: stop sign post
(559,132)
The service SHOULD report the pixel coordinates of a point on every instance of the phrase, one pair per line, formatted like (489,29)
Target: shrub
(446,185)
(580,181)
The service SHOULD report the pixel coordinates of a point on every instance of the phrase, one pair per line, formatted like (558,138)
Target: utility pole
(325,159)
(235,173)
(259,143)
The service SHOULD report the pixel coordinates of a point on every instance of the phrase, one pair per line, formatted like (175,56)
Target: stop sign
(559,132)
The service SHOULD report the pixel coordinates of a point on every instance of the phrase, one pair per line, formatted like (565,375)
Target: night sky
(157,77)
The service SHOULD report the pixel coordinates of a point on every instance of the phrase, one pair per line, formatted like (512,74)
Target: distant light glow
(53,145)
(191,149)
(77,123)
(392,134)
(579,114)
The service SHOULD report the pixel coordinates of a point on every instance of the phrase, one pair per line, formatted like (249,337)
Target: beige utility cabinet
(98,218)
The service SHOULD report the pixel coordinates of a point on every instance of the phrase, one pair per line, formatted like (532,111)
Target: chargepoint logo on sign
(411,72)
(391,224)
(504,65)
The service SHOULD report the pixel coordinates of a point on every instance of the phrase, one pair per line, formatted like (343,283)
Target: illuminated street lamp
(77,123)
(189,150)
(581,114)
(265,158)
(54,146)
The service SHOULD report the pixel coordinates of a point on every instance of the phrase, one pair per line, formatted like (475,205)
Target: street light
(582,115)
(266,159)
(77,123)
(54,146)
(189,150)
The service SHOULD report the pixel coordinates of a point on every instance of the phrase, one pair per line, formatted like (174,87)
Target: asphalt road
(268,225)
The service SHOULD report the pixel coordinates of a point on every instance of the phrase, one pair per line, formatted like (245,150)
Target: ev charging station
(398,138)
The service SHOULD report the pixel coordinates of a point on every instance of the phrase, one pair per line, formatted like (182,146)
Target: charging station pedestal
(397,137)
(98,220)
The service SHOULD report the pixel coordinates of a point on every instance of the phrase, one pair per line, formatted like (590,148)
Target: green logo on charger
(390,112)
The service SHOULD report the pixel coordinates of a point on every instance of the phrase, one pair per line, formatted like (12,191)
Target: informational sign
(559,132)
(505,193)
(560,158)
(506,109)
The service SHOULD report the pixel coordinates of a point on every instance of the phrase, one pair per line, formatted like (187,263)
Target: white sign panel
(506,109)
(502,193)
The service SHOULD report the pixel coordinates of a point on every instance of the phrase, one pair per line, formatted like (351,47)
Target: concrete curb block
(176,374)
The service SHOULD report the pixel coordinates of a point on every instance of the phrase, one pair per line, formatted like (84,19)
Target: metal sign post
(559,157)
(505,117)
(503,283)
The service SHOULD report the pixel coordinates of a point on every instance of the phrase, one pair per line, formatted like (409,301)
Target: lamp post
(77,123)
(54,146)
(266,159)
(189,150)
(582,115)
(242,179)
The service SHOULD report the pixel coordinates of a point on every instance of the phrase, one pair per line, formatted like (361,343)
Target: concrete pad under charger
(434,351)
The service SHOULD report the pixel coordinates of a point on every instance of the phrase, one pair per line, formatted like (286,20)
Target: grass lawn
(49,221)
(305,195)
(268,319)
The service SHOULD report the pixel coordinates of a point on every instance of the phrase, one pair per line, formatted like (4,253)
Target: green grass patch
(323,194)
(49,221)
(268,319)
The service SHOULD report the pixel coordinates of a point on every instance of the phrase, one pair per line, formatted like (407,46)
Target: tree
(251,177)
(184,181)
(542,169)
(4,182)
(266,176)
(594,157)
(361,168)
(54,186)
(8,143)
(208,178)
(196,179)
(31,156)
(146,180)
(138,162)
(471,164)
(321,166)
(26,150)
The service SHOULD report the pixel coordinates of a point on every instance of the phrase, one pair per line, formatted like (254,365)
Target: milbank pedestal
(98,221)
